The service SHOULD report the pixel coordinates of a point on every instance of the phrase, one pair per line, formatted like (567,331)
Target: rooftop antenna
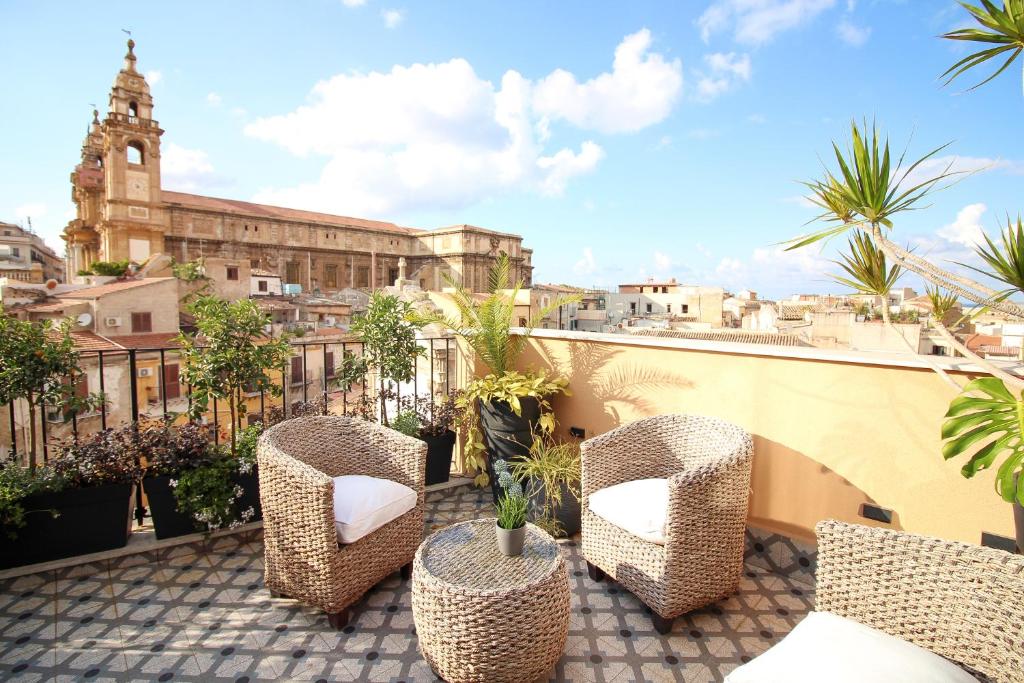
(127,32)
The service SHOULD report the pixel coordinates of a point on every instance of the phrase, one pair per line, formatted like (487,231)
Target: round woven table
(482,616)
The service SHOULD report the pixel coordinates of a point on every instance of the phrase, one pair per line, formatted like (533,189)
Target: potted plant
(172,452)
(551,471)
(431,421)
(501,410)
(510,506)
(390,349)
(79,503)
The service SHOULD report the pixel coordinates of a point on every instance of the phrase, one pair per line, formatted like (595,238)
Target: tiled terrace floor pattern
(201,613)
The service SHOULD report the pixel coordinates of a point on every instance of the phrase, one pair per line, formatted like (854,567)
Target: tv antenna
(126,31)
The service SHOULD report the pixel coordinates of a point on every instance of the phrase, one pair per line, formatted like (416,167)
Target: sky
(622,140)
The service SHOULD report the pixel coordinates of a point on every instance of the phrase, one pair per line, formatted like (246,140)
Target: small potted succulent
(510,525)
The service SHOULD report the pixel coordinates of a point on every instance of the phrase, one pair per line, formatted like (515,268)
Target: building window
(254,262)
(392,275)
(142,322)
(261,285)
(686,308)
(296,373)
(15,251)
(522,322)
(363,276)
(668,308)
(232,272)
(329,365)
(648,308)
(664,290)
(136,153)
(632,307)
(292,272)
(330,275)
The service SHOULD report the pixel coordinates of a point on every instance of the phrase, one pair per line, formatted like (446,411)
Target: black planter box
(439,456)
(163,506)
(90,520)
(567,513)
(507,436)
(250,484)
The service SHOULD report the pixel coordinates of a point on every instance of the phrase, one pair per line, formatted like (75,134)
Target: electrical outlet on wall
(578,432)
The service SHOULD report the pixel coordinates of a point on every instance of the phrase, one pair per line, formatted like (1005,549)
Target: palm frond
(1005,261)
(1003,27)
(867,268)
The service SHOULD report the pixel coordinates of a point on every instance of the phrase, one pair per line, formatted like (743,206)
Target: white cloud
(639,91)
(851,34)
(966,229)
(723,72)
(153,77)
(587,264)
(755,22)
(662,262)
(353,3)
(213,99)
(757,119)
(188,170)
(392,17)
(430,136)
(33,210)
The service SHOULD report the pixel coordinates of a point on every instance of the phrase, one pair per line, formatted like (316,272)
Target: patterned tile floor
(201,613)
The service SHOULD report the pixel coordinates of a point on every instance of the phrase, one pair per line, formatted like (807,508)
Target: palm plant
(1003,28)
(868,271)
(486,324)
(1005,262)
(942,302)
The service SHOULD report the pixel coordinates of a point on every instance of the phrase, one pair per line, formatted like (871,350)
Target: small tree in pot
(390,350)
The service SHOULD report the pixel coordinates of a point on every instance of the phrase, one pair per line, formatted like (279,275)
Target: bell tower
(133,219)
(82,233)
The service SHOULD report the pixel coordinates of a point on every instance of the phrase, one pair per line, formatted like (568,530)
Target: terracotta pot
(510,541)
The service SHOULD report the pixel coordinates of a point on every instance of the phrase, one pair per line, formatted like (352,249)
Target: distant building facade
(26,258)
(122,212)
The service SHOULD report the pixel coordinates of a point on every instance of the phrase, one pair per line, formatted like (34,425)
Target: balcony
(199,609)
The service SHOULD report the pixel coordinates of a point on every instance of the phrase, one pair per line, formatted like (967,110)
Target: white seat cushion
(364,504)
(828,647)
(639,507)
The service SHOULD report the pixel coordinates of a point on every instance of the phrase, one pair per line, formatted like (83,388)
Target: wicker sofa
(303,558)
(957,600)
(707,463)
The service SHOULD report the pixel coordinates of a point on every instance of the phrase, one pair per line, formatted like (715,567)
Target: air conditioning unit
(112,322)
(145,372)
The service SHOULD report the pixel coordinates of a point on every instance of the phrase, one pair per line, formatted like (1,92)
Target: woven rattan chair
(959,601)
(303,559)
(707,463)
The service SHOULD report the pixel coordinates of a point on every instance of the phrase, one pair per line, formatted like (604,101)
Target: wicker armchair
(960,601)
(303,559)
(707,463)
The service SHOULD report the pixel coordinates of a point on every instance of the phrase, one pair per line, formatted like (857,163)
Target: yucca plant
(868,271)
(942,302)
(1006,261)
(1002,28)
(486,324)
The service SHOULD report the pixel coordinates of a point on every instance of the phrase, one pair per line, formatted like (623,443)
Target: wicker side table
(481,616)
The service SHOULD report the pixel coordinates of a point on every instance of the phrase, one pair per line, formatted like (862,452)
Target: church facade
(122,212)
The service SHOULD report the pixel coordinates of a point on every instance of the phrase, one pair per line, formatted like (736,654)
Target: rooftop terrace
(200,612)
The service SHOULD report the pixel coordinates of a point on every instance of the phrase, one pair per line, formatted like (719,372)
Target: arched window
(133,109)
(136,152)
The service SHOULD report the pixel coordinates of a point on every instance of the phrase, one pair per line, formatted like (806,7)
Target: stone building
(123,213)
(26,258)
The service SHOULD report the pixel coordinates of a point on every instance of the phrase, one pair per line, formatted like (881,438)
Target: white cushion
(828,647)
(364,504)
(639,507)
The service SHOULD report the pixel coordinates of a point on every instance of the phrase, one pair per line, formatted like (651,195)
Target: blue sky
(622,140)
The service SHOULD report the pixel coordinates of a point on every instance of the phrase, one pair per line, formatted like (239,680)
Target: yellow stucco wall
(828,435)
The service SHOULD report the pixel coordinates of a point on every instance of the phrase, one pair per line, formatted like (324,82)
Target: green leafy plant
(210,495)
(1003,28)
(108,268)
(550,469)
(407,422)
(245,450)
(984,423)
(39,364)
(388,332)
(1005,261)
(17,483)
(510,388)
(230,354)
(190,271)
(867,270)
(942,302)
(512,505)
